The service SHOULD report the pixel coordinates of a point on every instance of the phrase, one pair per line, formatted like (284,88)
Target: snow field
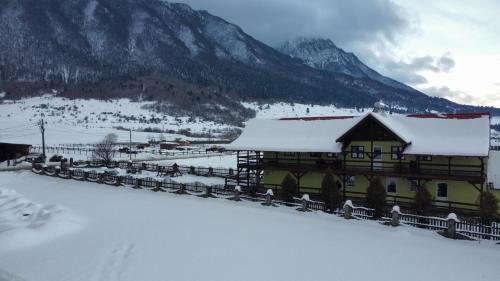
(141,235)
(88,121)
(24,223)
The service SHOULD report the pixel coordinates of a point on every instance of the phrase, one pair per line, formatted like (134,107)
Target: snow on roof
(446,135)
(494,169)
(441,136)
(292,135)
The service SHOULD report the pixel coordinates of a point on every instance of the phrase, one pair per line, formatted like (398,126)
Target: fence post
(157,186)
(118,181)
(395,215)
(137,184)
(451,231)
(304,200)
(208,193)
(236,195)
(269,198)
(182,189)
(348,207)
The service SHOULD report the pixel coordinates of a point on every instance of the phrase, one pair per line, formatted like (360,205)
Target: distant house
(10,151)
(446,154)
(183,142)
(168,145)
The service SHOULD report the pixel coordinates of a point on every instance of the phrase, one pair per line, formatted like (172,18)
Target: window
(391,185)
(491,185)
(425,158)
(351,181)
(413,186)
(357,152)
(315,154)
(395,153)
(442,190)
(332,155)
(289,154)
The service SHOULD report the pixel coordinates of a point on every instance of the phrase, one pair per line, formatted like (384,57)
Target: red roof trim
(430,115)
(316,118)
(452,115)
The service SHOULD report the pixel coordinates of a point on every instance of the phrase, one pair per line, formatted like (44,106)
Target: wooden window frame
(427,158)
(396,155)
(437,190)
(357,151)
(391,180)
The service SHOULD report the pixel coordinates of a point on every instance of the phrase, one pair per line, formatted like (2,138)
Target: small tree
(105,150)
(488,208)
(422,201)
(335,197)
(288,188)
(375,197)
(330,193)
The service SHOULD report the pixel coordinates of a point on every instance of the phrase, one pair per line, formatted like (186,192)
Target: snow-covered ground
(280,110)
(126,234)
(88,121)
(221,161)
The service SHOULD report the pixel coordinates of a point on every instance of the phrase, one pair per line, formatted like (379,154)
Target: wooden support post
(395,215)
(238,168)
(344,179)
(348,207)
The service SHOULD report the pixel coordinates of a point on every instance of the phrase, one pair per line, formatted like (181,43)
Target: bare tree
(105,150)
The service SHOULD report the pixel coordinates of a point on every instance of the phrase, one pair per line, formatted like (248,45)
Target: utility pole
(130,144)
(42,129)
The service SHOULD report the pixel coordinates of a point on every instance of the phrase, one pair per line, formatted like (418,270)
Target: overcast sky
(448,48)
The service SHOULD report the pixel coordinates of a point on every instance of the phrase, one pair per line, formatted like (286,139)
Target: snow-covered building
(10,151)
(446,153)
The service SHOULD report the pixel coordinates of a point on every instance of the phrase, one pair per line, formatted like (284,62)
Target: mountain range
(182,58)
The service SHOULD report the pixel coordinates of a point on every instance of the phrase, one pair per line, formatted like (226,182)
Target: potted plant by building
(330,193)
(375,197)
(488,208)
(288,188)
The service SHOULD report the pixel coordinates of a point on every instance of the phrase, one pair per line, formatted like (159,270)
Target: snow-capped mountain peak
(323,54)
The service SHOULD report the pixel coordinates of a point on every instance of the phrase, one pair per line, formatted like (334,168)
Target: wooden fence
(160,169)
(470,227)
(89,150)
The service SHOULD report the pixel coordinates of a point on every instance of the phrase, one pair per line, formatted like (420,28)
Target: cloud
(410,71)
(347,23)
(460,96)
(445,63)
(447,93)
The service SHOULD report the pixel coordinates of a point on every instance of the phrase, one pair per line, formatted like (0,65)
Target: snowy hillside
(191,238)
(87,121)
(281,110)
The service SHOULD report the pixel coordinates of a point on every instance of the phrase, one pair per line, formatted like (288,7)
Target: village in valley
(157,175)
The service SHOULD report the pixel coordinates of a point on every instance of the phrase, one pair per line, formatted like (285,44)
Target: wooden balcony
(411,170)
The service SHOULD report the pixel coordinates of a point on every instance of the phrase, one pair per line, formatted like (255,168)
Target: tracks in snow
(112,267)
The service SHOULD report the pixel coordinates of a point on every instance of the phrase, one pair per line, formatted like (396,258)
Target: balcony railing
(404,168)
